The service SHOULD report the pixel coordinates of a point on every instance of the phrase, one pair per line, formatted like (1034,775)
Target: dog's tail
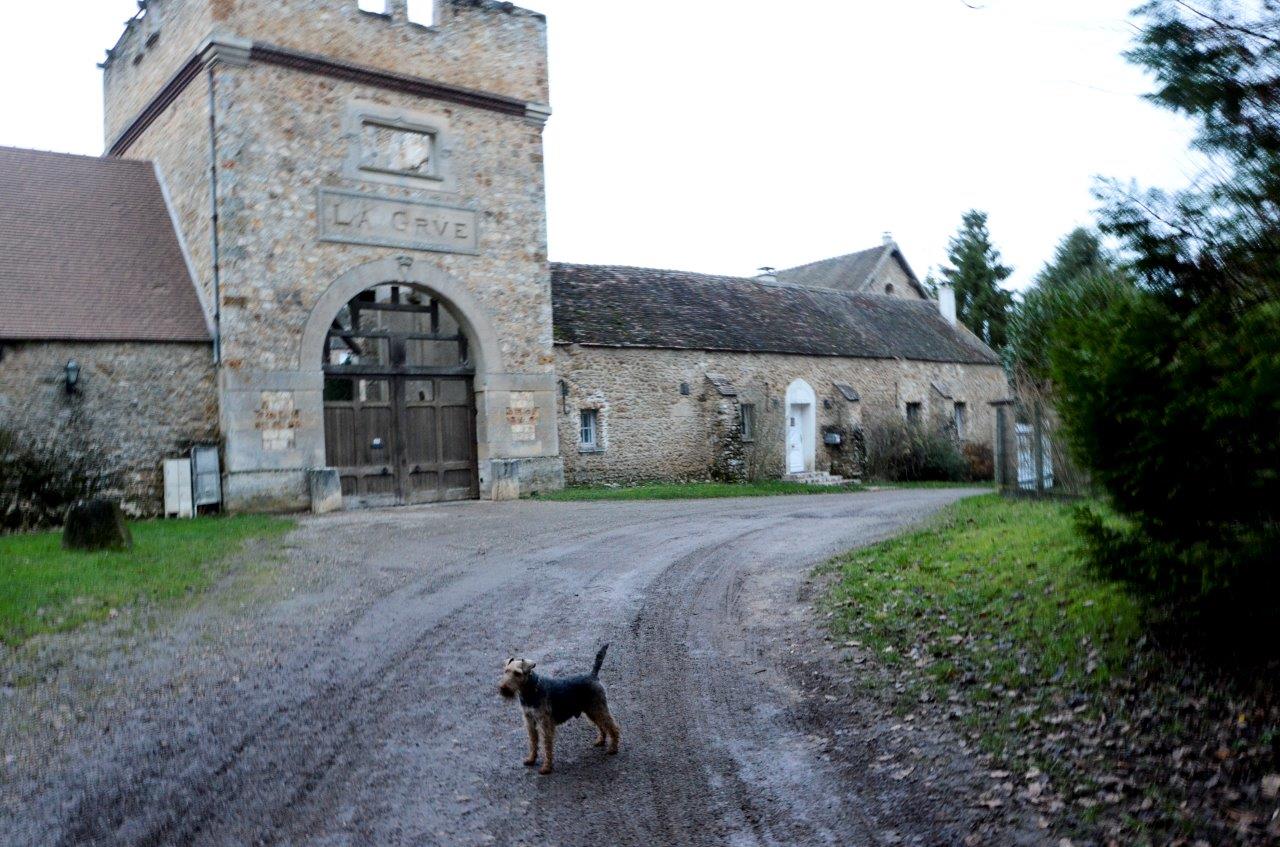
(595,669)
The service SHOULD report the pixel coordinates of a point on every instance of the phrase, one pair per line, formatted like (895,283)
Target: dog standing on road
(547,703)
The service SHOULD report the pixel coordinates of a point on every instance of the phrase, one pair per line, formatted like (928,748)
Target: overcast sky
(722,135)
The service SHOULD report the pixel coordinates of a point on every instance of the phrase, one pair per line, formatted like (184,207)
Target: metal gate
(1027,459)
(399,401)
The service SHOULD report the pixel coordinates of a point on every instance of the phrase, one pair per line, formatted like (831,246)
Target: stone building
(105,347)
(678,375)
(353,203)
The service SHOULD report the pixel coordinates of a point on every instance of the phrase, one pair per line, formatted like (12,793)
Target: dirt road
(360,707)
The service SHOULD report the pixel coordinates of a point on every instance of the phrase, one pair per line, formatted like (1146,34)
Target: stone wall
(478,44)
(151,50)
(178,144)
(288,137)
(893,274)
(653,431)
(136,404)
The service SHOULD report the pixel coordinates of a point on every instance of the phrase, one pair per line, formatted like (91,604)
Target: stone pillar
(1005,448)
(729,457)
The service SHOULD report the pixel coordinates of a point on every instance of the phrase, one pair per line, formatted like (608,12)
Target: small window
(590,431)
(888,289)
(748,421)
(377,7)
(961,419)
(422,12)
(913,413)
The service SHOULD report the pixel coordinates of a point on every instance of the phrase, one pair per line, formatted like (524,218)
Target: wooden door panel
(340,435)
(456,437)
(420,436)
(401,439)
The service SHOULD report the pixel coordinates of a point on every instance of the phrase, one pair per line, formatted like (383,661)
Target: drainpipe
(213,216)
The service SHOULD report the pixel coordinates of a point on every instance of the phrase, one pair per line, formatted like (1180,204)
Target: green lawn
(693,491)
(44,588)
(991,596)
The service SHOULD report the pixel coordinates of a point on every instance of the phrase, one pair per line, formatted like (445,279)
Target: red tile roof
(88,252)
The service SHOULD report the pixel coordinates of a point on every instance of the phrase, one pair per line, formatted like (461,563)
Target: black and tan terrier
(547,703)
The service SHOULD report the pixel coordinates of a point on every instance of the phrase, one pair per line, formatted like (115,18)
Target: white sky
(722,135)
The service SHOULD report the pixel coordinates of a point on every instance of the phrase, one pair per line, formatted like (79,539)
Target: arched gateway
(399,399)
(401,346)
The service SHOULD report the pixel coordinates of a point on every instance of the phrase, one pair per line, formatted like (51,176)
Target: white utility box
(178,499)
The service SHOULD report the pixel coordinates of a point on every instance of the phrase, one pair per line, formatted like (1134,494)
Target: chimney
(767,274)
(888,238)
(947,302)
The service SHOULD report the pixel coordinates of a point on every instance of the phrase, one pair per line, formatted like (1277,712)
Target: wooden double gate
(398,430)
(401,439)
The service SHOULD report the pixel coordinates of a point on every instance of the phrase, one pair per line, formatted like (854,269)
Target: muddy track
(363,711)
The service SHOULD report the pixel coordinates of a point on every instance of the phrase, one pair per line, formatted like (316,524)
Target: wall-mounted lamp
(72,373)
(826,403)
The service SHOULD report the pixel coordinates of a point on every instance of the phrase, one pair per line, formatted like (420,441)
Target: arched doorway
(399,399)
(801,429)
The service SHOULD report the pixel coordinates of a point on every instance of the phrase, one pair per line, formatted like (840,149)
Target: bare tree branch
(1225,24)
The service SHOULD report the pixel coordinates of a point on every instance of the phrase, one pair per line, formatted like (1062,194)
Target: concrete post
(1006,470)
(1037,435)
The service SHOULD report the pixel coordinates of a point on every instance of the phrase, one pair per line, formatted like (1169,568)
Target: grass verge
(44,588)
(988,618)
(993,587)
(693,491)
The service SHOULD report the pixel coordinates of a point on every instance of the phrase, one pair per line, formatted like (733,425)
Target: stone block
(325,487)
(96,525)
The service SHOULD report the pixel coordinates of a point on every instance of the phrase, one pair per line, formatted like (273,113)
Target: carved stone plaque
(351,217)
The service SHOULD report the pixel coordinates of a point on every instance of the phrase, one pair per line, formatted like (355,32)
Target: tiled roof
(88,252)
(639,307)
(848,273)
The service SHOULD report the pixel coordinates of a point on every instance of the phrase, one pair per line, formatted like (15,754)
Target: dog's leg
(532,726)
(601,735)
(548,746)
(613,731)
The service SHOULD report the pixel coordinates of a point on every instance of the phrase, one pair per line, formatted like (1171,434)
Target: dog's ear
(512,659)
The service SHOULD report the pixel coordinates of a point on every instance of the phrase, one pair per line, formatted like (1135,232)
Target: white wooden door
(795,441)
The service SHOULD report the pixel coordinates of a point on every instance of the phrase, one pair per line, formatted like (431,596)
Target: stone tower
(330,165)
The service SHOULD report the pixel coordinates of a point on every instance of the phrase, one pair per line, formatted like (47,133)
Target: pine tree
(1170,392)
(975,273)
(1080,277)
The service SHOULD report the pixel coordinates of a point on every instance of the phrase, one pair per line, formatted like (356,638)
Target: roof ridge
(6,148)
(878,247)
(729,278)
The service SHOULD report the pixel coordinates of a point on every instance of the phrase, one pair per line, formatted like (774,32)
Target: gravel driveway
(357,705)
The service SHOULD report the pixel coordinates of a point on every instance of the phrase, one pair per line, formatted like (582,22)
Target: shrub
(981,460)
(1169,388)
(901,452)
(38,482)
(1175,417)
